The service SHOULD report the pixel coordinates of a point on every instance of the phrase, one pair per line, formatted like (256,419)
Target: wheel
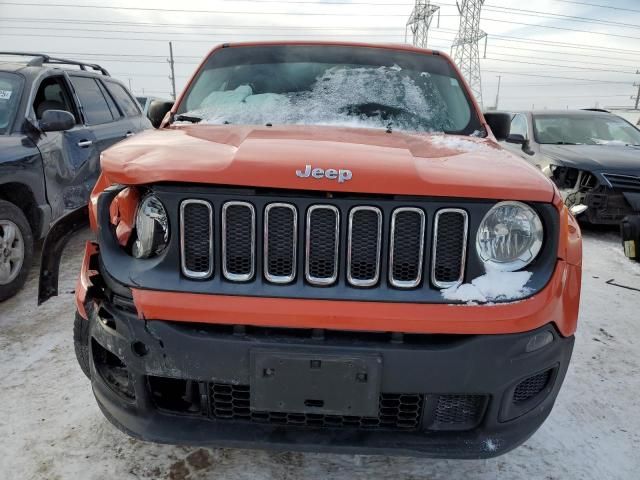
(16,249)
(81,343)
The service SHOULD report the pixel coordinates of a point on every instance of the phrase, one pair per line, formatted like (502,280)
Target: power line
(561,66)
(575,2)
(553,76)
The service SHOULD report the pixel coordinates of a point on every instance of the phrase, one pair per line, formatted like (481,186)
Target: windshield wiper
(566,143)
(187,118)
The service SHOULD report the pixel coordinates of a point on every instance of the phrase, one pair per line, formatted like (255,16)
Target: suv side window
(519,125)
(127,104)
(53,94)
(94,105)
(115,112)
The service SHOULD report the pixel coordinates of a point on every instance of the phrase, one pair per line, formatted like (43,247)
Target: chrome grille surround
(463,254)
(393,245)
(238,277)
(294,251)
(317,280)
(198,275)
(359,282)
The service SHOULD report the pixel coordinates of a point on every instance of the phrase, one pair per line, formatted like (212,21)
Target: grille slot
(238,241)
(407,247)
(363,251)
(280,241)
(196,239)
(531,387)
(322,242)
(458,412)
(396,411)
(449,247)
(623,182)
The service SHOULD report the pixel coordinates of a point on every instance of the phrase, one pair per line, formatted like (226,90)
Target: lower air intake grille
(449,250)
(395,411)
(531,387)
(238,237)
(458,412)
(196,233)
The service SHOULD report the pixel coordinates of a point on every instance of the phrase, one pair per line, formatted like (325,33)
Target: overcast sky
(538,66)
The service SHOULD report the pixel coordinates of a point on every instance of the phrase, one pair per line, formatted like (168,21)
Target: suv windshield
(584,130)
(10,90)
(330,85)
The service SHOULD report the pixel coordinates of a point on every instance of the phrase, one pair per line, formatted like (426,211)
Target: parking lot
(50,426)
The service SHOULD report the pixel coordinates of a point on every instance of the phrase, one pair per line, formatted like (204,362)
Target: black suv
(54,124)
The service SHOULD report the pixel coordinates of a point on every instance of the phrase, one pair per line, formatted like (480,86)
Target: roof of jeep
(388,45)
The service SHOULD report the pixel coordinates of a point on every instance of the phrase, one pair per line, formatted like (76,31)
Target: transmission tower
(420,21)
(465,46)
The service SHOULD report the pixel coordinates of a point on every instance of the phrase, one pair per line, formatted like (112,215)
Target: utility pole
(498,93)
(637,97)
(465,45)
(173,74)
(420,21)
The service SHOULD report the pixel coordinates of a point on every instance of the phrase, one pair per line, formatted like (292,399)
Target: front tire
(16,249)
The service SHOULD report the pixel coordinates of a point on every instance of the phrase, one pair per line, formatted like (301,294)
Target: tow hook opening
(113,371)
(176,395)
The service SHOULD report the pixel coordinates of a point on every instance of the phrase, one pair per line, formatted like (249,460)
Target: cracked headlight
(510,236)
(152,228)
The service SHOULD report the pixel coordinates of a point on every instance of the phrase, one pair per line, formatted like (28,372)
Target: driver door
(70,158)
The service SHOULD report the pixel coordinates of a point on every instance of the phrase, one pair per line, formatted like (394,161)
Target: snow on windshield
(374,97)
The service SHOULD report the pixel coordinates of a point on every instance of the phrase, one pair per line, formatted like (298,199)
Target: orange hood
(380,162)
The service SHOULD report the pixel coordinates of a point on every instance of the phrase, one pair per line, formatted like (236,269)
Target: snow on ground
(51,428)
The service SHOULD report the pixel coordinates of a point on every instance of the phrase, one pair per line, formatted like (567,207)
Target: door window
(94,104)
(519,126)
(53,95)
(126,102)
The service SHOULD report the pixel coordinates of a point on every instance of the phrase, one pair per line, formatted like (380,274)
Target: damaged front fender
(52,248)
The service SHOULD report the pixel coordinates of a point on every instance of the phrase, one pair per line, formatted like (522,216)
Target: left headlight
(152,228)
(510,236)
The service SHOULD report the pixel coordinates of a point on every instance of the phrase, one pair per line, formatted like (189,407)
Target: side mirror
(56,121)
(516,138)
(500,124)
(157,111)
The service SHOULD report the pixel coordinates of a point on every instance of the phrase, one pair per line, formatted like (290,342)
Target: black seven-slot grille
(627,183)
(323,243)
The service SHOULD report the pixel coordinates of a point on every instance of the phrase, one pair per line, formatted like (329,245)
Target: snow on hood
(490,287)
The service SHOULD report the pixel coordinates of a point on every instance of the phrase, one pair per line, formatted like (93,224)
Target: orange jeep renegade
(322,247)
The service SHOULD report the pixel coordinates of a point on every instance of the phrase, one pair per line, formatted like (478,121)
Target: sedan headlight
(152,228)
(510,236)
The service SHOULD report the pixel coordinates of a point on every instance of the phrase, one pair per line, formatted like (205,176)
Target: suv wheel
(16,249)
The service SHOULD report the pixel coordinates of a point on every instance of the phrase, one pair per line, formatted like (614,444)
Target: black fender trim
(52,248)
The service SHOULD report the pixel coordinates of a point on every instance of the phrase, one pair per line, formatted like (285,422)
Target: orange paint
(557,303)
(122,212)
(397,164)
(84,281)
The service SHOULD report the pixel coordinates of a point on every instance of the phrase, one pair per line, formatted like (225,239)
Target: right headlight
(151,228)
(510,236)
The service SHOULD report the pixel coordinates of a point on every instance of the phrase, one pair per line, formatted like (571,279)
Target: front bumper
(451,396)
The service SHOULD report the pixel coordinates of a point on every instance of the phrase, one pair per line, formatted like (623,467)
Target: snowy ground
(50,426)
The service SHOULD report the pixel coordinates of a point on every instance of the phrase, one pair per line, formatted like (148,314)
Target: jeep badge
(329,173)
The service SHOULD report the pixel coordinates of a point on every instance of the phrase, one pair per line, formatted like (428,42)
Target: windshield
(330,85)
(10,89)
(584,130)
